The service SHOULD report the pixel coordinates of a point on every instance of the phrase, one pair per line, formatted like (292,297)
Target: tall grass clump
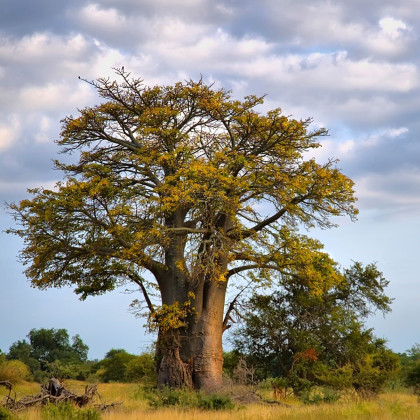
(66,411)
(6,414)
(322,395)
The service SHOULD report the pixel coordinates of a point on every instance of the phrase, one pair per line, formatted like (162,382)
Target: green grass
(400,405)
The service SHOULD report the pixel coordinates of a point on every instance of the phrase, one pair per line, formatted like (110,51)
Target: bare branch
(231,307)
(140,282)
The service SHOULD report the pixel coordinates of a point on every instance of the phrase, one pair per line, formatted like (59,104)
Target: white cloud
(35,47)
(97,17)
(12,187)
(351,149)
(10,129)
(44,133)
(332,72)
(393,190)
(395,132)
(393,28)
(205,52)
(252,57)
(55,96)
(344,25)
(380,137)
(346,147)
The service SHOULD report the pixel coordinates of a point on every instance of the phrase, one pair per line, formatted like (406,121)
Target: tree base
(174,372)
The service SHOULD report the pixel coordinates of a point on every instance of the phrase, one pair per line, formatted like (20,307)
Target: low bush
(14,371)
(6,414)
(215,402)
(322,395)
(141,369)
(413,375)
(184,398)
(66,411)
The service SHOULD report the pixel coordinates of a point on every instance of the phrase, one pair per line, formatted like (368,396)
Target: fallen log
(55,393)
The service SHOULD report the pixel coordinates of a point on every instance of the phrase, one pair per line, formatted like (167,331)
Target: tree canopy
(308,338)
(193,187)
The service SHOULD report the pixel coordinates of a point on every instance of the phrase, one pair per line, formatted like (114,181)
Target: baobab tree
(194,188)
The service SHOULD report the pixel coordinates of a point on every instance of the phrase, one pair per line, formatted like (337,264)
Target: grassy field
(390,405)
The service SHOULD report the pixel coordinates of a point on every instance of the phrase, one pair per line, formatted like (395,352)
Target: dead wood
(9,399)
(275,402)
(55,393)
(249,395)
(104,407)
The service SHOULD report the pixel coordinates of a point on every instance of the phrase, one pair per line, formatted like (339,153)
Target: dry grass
(389,406)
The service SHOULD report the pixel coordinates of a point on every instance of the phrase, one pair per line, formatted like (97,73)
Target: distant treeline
(49,352)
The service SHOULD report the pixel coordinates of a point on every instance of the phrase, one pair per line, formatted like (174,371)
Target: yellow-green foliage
(170,179)
(168,317)
(14,371)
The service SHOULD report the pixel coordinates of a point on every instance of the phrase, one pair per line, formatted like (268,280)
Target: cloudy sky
(352,65)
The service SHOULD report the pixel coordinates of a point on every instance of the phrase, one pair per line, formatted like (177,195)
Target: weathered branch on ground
(267,401)
(54,393)
(250,395)
(9,387)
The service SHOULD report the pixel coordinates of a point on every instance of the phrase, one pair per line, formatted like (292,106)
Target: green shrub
(6,414)
(299,385)
(167,397)
(184,398)
(70,370)
(215,402)
(322,395)
(309,397)
(14,371)
(113,367)
(66,411)
(374,371)
(141,369)
(413,375)
(41,376)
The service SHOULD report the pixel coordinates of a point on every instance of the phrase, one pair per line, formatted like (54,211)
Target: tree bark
(193,356)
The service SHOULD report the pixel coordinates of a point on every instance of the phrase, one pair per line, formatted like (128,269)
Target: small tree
(114,366)
(192,187)
(318,337)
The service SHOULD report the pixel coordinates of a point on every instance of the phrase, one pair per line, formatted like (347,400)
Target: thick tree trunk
(193,356)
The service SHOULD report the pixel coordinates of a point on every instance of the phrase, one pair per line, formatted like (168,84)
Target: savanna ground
(400,404)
